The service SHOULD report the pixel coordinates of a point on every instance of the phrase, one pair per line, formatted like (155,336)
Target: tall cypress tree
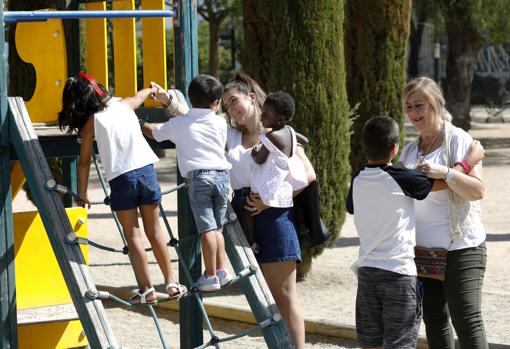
(297,46)
(375,52)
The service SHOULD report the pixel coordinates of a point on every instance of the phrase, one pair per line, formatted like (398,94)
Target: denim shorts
(208,196)
(275,233)
(135,188)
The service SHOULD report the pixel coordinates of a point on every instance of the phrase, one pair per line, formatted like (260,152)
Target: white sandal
(181,290)
(143,296)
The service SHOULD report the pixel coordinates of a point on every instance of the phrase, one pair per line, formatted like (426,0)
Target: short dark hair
(283,103)
(378,137)
(203,90)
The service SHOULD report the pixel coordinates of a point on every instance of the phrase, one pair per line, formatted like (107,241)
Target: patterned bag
(430,262)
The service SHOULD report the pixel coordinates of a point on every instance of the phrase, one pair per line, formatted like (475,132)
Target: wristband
(466,166)
(142,122)
(169,102)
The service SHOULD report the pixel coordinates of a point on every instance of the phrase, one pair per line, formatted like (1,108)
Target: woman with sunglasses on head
(277,249)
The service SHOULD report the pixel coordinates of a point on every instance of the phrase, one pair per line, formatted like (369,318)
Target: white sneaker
(224,276)
(208,283)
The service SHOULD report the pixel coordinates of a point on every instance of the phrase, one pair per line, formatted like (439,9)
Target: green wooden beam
(186,68)
(8,316)
(57,225)
(255,288)
(72,39)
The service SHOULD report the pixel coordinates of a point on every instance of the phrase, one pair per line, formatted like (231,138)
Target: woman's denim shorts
(135,188)
(208,196)
(275,233)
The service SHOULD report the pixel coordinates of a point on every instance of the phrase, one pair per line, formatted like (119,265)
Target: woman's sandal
(181,290)
(141,298)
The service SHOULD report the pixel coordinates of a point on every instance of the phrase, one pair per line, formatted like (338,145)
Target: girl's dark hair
(243,83)
(80,100)
(283,103)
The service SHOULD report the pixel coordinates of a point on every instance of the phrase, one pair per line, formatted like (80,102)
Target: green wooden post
(70,178)
(72,35)
(8,320)
(186,67)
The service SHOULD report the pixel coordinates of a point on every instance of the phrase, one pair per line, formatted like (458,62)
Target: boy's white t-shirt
(381,199)
(120,141)
(199,137)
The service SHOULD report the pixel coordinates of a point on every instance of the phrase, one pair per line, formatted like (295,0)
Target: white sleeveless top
(279,175)
(240,158)
(119,139)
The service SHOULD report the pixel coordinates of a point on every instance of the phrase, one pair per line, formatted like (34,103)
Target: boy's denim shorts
(135,188)
(208,195)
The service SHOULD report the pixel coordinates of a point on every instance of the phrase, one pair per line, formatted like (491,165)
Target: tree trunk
(298,47)
(375,51)
(464,45)
(415,38)
(214,40)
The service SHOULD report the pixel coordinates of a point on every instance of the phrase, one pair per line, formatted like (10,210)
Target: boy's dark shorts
(388,309)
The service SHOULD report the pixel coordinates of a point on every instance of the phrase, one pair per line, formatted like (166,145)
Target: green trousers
(459,298)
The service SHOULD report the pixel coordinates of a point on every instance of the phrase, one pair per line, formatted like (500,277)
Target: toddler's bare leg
(248,227)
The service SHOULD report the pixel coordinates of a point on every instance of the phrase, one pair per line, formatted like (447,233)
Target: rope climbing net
(193,291)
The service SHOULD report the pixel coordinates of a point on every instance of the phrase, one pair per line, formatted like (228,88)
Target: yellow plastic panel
(43,45)
(17,178)
(39,281)
(154,47)
(96,39)
(52,335)
(124,51)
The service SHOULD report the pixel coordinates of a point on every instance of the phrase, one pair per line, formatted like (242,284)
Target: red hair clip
(93,82)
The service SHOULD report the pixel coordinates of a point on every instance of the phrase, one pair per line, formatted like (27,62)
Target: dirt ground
(328,294)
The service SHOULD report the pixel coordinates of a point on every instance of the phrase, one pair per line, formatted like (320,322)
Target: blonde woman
(450,218)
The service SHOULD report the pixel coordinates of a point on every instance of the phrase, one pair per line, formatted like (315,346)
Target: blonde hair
(434,96)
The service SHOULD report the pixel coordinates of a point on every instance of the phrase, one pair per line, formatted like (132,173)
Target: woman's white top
(120,141)
(433,217)
(240,158)
(279,176)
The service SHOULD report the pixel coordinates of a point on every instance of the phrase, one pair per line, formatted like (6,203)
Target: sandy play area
(328,294)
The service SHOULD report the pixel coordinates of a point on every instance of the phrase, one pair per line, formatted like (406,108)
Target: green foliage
(221,17)
(224,54)
(490,17)
(298,48)
(375,52)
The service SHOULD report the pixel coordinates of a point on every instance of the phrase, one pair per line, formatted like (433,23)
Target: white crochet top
(280,175)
